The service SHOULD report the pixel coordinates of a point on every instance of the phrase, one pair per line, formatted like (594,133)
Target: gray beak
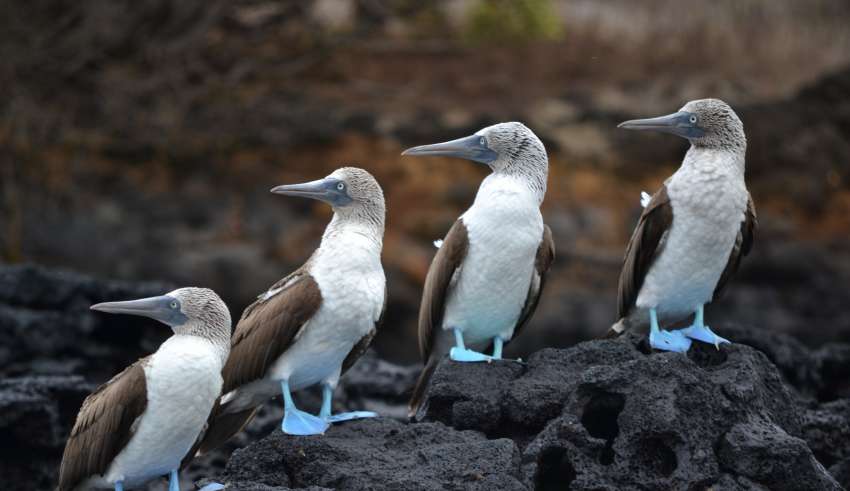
(470,148)
(163,308)
(312,189)
(327,190)
(679,123)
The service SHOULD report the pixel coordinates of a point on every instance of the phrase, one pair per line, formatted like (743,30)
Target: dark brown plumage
(643,246)
(647,241)
(743,245)
(104,426)
(446,263)
(269,327)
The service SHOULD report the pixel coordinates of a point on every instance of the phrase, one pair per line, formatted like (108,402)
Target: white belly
(183,381)
(352,283)
(707,218)
(492,285)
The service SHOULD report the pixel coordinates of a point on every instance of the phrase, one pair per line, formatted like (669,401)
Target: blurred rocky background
(139,140)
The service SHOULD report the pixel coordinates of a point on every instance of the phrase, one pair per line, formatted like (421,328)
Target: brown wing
(542,263)
(743,244)
(643,246)
(104,426)
(360,348)
(268,327)
(446,262)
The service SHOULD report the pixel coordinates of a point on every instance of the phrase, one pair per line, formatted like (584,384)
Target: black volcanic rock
(48,328)
(765,413)
(36,415)
(379,454)
(605,414)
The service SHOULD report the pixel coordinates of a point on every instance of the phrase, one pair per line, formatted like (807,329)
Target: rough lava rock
(610,415)
(607,414)
(765,413)
(48,328)
(36,415)
(380,454)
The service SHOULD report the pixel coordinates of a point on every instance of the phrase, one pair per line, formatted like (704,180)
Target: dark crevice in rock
(707,355)
(600,419)
(657,457)
(554,470)
(644,347)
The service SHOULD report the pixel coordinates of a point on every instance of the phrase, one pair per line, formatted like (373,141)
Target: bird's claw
(704,334)
(669,341)
(338,418)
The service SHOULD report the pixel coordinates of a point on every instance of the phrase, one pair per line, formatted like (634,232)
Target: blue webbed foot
(213,486)
(297,422)
(465,355)
(669,341)
(704,334)
(338,418)
(173,481)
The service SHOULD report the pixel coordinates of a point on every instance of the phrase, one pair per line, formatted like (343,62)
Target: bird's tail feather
(222,426)
(418,396)
(617,329)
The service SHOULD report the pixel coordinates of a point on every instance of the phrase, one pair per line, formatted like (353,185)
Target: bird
(693,232)
(141,424)
(313,325)
(486,278)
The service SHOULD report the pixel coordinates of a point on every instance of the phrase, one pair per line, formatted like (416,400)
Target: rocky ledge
(765,413)
(605,414)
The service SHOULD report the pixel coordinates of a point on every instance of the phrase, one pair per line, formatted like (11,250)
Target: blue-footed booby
(486,278)
(141,424)
(312,325)
(693,232)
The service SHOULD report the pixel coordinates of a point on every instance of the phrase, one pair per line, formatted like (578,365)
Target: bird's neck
(353,229)
(530,173)
(500,184)
(218,336)
(727,160)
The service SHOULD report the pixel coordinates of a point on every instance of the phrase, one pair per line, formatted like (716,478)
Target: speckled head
(708,123)
(194,311)
(508,148)
(352,192)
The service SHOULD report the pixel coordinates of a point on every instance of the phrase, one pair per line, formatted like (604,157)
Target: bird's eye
(340,186)
(483,141)
(693,119)
(173,304)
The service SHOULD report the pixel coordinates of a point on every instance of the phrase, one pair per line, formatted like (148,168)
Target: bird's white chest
(183,380)
(351,279)
(709,203)
(504,232)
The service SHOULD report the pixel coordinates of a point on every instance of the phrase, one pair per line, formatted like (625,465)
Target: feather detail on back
(542,262)
(268,327)
(446,262)
(743,245)
(104,426)
(643,247)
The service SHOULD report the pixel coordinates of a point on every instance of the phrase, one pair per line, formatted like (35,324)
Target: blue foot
(669,341)
(173,481)
(704,334)
(338,418)
(465,355)
(297,422)
(119,486)
(213,486)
